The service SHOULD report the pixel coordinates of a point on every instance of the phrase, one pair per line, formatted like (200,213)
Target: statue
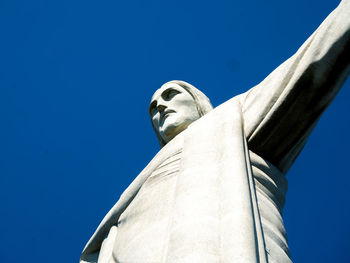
(216,190)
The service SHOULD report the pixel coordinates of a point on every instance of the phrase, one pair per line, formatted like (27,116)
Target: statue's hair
(202,103)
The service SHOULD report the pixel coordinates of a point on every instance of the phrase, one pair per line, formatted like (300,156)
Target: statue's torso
(143,228)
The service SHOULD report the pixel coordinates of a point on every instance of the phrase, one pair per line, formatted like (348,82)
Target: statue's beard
(171,126)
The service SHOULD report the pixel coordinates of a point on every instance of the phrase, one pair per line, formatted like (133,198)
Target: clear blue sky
(75,82)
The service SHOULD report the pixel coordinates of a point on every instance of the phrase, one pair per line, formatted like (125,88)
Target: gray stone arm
(282,110)
(107,229)
(92,248)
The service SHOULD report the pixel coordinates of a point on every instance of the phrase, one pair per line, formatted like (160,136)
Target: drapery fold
(215,217)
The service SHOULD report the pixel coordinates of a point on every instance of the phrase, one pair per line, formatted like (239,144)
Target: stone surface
(216,190)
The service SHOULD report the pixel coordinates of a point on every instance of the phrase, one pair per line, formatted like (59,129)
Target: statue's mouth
(165,114)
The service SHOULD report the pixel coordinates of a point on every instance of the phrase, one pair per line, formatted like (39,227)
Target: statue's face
(172,110)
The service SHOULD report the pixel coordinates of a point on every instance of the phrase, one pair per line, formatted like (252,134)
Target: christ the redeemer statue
(216,189)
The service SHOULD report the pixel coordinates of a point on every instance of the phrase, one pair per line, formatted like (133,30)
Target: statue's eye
(170,94)
(153,109)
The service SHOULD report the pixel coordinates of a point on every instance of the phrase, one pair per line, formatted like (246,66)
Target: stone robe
(220,195)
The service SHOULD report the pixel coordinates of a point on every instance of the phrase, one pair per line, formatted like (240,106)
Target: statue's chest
(142,227)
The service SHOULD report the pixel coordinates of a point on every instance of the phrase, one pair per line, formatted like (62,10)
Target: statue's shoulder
(232,106)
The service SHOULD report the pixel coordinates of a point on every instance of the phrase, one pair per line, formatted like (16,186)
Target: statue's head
(174,107)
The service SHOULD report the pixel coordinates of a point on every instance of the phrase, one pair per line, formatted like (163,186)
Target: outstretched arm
(281,111)
(100,246)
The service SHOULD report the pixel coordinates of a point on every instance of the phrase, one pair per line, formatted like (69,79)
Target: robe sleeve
(282,110)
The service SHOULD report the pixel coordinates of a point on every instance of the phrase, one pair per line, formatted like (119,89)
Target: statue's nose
(161,107)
